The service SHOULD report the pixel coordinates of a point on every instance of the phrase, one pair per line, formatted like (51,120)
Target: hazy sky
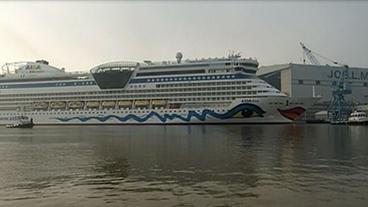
(80,35)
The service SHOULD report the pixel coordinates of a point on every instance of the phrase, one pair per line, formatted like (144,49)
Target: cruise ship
(202,91)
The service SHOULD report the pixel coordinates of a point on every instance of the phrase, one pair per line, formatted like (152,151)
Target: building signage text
(353,75)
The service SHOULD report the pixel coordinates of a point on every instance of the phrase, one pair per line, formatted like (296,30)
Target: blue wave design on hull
(165,117)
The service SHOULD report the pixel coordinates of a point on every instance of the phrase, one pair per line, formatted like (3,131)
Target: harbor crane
(308,53)
(311,55)
(339,109)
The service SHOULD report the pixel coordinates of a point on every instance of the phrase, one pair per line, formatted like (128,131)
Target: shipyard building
(302,80)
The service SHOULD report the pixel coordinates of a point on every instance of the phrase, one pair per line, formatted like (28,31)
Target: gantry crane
(339,110)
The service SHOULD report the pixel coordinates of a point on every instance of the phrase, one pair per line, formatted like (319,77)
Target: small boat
(108,104)
(21,122)
(57,105)
(75,104)
(40,105)
(122,103)
(358,118)
(93,104)
(159,102)
(141,103)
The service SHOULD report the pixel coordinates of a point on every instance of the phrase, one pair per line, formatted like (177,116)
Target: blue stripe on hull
(246,110)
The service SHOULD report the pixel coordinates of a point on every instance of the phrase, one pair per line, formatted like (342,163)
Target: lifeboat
(108,104)
(57,105)
(124,103)
(92,104)
(75,104)
(40,105)
(175,105)
(159,102)
(141,102)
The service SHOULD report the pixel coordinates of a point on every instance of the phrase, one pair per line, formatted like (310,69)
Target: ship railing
(11,68)
(121,65)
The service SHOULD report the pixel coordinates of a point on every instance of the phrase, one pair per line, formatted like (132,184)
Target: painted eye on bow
(247,112)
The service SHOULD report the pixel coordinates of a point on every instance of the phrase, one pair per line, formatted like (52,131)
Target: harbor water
(185,165)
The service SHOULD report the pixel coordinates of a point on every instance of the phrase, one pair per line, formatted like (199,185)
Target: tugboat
(21,122)
(358,118)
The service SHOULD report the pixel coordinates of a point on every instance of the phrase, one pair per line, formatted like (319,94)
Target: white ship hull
(247,110)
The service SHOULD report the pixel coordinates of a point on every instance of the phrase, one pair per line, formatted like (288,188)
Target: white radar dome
(179,56)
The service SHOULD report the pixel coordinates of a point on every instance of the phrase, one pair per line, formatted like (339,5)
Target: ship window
(318,82)
(365,84)
(249,71)
(171,72)
(300,81)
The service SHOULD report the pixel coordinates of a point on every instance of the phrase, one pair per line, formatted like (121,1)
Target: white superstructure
(215,90)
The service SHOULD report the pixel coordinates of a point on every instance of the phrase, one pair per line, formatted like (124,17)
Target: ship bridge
(114,75)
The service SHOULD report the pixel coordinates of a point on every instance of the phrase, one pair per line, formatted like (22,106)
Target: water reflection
(217,164)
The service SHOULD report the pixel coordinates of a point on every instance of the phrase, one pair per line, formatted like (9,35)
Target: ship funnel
(179,56)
